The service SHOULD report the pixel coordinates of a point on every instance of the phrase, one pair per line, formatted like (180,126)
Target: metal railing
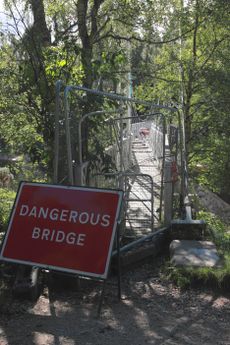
(79,92)
(119,150)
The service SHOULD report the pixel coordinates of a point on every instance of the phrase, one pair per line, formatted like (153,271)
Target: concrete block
(182,230)
(194,253)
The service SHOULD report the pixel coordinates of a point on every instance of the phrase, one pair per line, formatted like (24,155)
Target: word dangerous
(71,216)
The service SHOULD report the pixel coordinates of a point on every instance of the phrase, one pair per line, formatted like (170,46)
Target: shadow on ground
(151,312)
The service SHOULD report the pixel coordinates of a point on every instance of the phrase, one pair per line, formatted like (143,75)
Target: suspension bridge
(139,152)
(147,162)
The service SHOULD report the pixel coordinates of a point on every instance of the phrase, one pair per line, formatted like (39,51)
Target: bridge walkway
(143,191)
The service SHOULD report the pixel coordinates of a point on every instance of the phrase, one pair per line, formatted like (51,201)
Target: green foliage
(62,62)
(219,232)
(173,48)
(29,172)
(180,277)
(6,202)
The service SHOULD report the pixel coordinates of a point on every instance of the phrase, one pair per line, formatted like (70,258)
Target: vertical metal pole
(56,130)
(167,193)
(184,180)
(121,152)
(129,111)
(68,137)
(129,121)
(118,262)
(181,144)
(101,299)
(152,206)
(162,167)
(80,152)
(121,177)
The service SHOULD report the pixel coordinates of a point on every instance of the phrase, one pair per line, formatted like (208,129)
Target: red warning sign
(65,228)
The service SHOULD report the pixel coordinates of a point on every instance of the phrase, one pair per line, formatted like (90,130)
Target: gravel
(151,311)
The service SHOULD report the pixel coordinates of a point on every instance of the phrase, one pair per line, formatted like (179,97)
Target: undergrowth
(7,197)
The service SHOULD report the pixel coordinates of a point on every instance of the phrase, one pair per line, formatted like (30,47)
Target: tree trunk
(87,45)
(36,39)
(87,37)
(39,26)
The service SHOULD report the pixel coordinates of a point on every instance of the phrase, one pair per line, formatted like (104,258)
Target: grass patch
(218,277)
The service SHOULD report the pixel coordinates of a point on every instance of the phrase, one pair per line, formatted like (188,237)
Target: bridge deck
(143,191)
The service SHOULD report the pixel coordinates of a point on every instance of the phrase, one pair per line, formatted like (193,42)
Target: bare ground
(152,311)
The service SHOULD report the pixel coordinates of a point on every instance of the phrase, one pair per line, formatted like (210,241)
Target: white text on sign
(71,216)
(58,236)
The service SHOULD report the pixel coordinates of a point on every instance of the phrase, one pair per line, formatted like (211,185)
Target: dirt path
(151,312)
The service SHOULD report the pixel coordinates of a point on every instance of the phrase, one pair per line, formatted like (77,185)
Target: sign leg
(118,263)
(101,299)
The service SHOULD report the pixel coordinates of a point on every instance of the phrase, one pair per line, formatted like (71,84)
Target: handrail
(116,97)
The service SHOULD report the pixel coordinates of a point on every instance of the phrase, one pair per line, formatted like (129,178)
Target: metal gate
(137,218)
(139,205)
